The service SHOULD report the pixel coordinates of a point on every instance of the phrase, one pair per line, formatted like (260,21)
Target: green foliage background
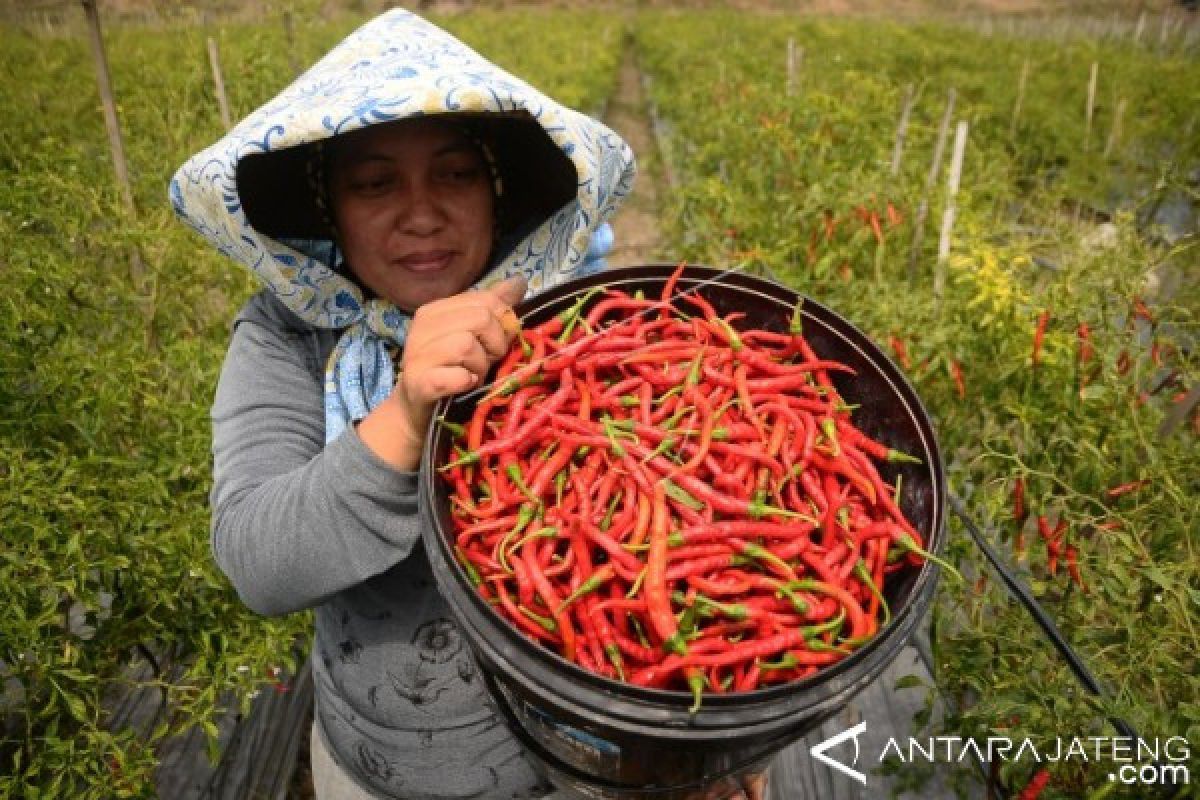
(759,170)
(106,371)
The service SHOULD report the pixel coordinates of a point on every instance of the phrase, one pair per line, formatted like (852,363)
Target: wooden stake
(902,129)
(289,35)
(791,65)
(1141,24)
(930,180)
(137,267)
(1012,125)
(939,276)
(111,123)
(1115,132)
(1091,105)
(214,60)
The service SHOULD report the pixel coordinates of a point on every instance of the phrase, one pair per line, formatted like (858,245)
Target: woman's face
(413,206)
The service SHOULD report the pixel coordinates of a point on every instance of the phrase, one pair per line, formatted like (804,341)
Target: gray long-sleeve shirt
(300,524)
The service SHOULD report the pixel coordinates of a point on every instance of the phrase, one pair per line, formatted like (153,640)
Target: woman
(397,200)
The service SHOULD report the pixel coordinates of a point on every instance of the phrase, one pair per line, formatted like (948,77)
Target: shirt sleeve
(295,521)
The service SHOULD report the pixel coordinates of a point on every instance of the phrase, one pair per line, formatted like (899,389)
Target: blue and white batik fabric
(395,67)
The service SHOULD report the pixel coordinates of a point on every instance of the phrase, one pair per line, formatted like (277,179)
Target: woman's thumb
(511,290)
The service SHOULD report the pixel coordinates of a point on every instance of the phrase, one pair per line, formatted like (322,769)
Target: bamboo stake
(1091,105)
(1012,125)
(1115,132)
(1141,24)
(791,65)
(902,129)
(795,66)
(939,277)
(289,33)
(934,170)
(214,60)
(111,123)
(137,267)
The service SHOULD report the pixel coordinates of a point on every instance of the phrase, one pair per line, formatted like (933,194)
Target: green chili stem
(864,575)
(906,543)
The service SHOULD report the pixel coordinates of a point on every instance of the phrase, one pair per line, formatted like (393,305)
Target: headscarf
(397,66)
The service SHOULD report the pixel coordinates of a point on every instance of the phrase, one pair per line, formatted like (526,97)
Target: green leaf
(1154,573)
(77,707)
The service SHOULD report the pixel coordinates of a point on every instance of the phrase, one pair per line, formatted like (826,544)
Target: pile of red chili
(667,500)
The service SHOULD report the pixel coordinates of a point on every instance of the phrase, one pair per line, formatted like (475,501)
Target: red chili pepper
(550,597)
(1033,789)
(894,216)
(1044,529)
(1086,351)
(876,228)
(675,451)
(522,620)
(601,576)
(848,433)
(898,347)
(1123,362)
(658,599)
(1054,542)
(1039,334)
(525,432)
(1127,488)
(668,289)
(959,384)
(1072,556)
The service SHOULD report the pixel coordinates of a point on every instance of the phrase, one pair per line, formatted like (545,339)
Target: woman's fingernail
(510,322)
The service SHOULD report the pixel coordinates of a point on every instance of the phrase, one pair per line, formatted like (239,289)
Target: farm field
(1039,343)
(1055,343)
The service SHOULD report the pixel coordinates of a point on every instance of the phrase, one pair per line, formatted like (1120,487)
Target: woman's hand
(747,787)
(451,345)
(735,787)
(755,786)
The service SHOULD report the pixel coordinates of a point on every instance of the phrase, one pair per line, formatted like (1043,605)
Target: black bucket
(606,739)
